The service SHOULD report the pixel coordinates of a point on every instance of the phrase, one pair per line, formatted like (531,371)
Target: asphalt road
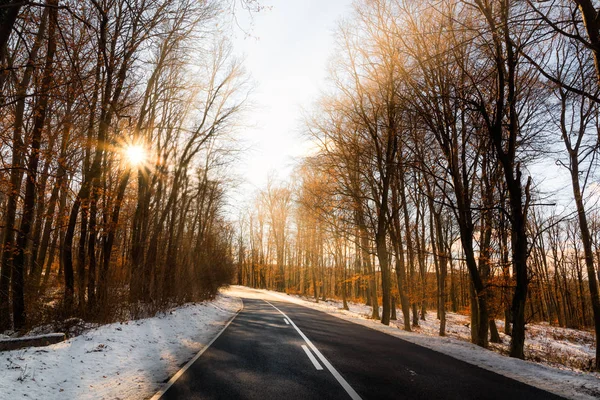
(263,356)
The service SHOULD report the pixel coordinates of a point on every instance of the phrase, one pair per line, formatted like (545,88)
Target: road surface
(280,350)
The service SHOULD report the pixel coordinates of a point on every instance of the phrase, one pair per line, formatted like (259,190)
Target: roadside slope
(129,360)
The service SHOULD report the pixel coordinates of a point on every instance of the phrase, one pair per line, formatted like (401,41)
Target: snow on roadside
(128,360)
(568,383)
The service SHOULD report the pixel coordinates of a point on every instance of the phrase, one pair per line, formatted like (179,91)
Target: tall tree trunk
(396,236)
(409,239)
(91,282)
(588,252)
(16,173)
(17,279)
(35,269)
(54,196)
(9,11)
(110,239)
(591,20)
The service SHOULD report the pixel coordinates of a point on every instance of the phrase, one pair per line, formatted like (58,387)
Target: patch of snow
(128,360)
(542,340)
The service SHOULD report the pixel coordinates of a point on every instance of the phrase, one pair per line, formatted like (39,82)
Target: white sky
(287,57)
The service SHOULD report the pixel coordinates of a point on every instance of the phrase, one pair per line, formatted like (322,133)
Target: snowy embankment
(129,360)
(544,343)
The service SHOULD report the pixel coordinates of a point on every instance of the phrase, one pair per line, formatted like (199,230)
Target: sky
(286,54)
(286,50)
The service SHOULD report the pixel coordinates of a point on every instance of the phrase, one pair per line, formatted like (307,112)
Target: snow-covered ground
(550,345)
(128,360)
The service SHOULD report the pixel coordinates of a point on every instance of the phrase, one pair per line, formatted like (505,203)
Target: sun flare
(136,155)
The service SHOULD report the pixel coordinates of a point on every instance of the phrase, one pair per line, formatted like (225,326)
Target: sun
(136,155)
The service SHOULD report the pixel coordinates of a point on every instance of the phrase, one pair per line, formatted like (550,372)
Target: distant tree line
(420,195)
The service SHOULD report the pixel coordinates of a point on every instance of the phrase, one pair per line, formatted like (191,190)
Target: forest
(432,193)
(424,191)
(117,124)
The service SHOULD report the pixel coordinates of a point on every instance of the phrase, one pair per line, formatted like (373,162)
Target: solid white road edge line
(312,358)
(286,321)
(171,381)
(351,392)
